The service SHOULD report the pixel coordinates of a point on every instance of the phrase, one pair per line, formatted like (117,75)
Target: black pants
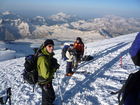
(48,94)
(69,67)
(79,56)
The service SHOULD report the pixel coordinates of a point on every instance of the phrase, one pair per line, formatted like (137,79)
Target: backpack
(134,50)
(30,73)
(64,50)
(87,58)
(130,87)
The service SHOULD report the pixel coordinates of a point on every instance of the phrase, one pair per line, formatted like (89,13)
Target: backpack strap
(41,54)
(121,100)
(128,86)
(123,91)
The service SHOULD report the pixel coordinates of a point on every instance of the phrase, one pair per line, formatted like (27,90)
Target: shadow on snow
(80,86)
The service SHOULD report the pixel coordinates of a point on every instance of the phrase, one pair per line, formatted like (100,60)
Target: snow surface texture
(102,76)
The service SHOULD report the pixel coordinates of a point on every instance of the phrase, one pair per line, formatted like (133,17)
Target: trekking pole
(4,100)
(61,97)
(9,95)
(59,88)
(85,50)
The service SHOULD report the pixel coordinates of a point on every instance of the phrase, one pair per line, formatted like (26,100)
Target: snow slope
(101,76)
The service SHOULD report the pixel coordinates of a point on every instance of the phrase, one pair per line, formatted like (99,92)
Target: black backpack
(131,86)
(87,58)
(30,73)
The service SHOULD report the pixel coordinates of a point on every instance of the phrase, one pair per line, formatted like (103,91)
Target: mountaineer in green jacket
(47,66)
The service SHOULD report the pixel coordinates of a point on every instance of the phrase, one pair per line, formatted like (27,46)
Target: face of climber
(77,41)
(50,48)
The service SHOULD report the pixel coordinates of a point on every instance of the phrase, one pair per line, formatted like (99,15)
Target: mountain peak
(62,14)
(7,13)
(39,17)
(63,17)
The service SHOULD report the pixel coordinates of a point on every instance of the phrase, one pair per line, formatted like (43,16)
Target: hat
(78,38)
(66,44)
(71,45)
(48,41)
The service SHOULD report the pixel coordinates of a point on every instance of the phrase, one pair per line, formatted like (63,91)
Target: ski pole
(9,95)
(85,50)
(59,88)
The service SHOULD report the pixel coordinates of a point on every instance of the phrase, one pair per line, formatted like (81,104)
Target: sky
(81,8)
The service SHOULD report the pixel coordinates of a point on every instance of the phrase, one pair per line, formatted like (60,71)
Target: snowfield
(90,85)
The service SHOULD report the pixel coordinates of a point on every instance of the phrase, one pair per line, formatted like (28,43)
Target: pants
(69,67)
(79,56)
(48,94)
(133,99)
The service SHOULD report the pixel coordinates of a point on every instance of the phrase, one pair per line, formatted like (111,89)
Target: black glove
(54,63)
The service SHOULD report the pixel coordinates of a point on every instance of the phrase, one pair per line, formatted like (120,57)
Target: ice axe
(4,99)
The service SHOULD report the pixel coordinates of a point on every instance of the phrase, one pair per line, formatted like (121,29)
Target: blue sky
(81,8)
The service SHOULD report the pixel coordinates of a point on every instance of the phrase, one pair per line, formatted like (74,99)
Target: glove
(54,63)
(47,86)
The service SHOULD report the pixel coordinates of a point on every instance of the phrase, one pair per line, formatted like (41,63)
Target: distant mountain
(64,26)
(61,18)
(13,26)
(113,25)
(9,15)
(39,20)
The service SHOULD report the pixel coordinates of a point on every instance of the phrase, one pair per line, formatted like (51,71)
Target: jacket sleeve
(43,67)
(82,49)
(75,45)
(69,56)
(54,64)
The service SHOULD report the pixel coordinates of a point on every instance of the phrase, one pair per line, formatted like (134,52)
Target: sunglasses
(50,46)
